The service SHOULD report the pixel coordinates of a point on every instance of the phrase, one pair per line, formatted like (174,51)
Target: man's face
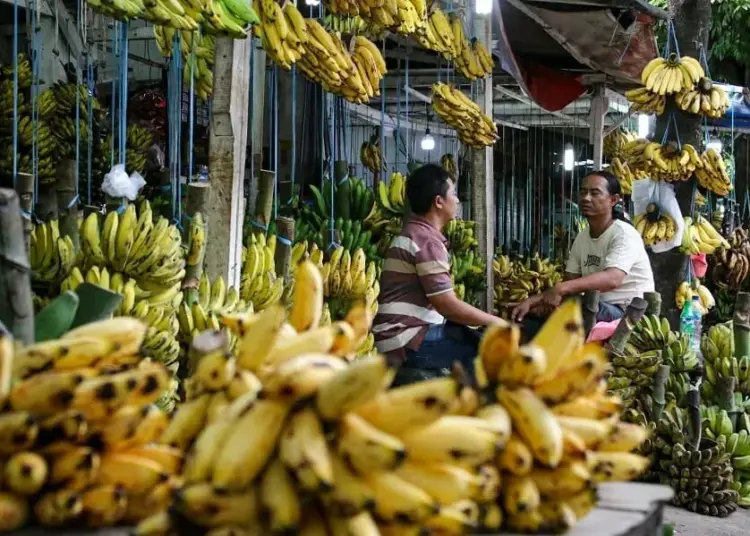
(594,198)
(448,206)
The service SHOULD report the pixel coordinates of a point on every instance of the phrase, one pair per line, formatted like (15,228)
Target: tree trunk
(16,308)
(692,23)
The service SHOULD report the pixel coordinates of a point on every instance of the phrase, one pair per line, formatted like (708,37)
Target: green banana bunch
(517,279)
(468,273)
(460,235)
(652,332)
(392,196)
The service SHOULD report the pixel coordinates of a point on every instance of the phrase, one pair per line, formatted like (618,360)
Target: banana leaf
(96,303)
(56,318)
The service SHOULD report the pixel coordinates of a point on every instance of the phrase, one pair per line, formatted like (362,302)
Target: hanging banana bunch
(402,16)
(704,99)
(662,162)
(474,128)
(448,161)
(712,173)
(624,175)
(646,101)
(370,155)
(355,25)
(260,287)
(282,32)
(615,141)
(655,226)
(51,256)
(667,76)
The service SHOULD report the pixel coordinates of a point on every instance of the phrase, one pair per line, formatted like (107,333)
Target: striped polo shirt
(416,267)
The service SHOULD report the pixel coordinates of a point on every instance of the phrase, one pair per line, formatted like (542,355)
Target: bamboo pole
(693,399)
(654,303)
(67,201)
(25,191)
(632,316)
(741,324)
(198,201)
(264,201)
(16,307)
(284,240)
(658,393)
(46,208)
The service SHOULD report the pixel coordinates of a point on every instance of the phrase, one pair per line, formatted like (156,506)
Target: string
(15,92)
(90,140)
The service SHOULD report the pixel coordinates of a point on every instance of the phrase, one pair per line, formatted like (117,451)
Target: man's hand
(553,297)
(522,309)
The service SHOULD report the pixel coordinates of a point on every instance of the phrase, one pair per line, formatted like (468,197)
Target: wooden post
(483,186)
(632,316)
(198,200)
(654,303)
(16,307)
(285,232)
(67,201)
(113,204)
(590,306)
(25,191)
(226,156)
(46,208)
(264,199)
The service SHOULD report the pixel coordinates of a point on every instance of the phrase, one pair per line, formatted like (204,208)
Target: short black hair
(426,183)
(613,183)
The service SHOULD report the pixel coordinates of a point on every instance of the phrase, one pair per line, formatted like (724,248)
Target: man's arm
(460,312)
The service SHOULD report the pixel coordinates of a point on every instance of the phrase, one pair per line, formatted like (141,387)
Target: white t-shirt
(620,246)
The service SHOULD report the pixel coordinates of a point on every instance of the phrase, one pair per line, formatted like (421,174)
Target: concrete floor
(689,524)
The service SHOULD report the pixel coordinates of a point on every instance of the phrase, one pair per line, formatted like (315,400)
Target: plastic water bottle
(690,322)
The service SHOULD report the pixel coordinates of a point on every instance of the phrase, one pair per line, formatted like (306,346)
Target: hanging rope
(294,127)
(191,103)
(35,56)
(275,141)
(89,111)
(124,89)
(114,107)
(15,92)
(174,115)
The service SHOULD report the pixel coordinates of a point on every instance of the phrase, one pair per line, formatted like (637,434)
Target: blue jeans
(436,356)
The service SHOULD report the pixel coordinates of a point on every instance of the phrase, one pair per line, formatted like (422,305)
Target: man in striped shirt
(416,290)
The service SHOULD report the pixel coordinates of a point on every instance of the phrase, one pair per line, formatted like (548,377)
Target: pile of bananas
(51,256)
(625,176)
(370,155)
(137,143)
(371,461)
(282,32)
(655,227)
(217,17)
(731,266)
(460,236)
(359,200)
(704,99)
(259,284)
(615,141)
(349,278)
(667,76)
(686,291)
(517,279)
(191,42)
(354,76)
(446,36)
(699,236)
(712,174)
(78,425)
(718,425)
(663,162)
(475,129)
(719,360)
(646,101)
(468,274)
(346,24)
(703,479)
(214,299)
(401,16)
(448,162)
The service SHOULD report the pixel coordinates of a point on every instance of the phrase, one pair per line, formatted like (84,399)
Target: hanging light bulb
(483,7)
(428,142)
(643,125)
(568,157)
(714,142)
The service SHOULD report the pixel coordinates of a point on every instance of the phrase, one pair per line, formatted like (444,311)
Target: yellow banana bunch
(198,53)
(471,57)
(122,10)
(516,280)
(282,32)
(623,174)
(51,256)
(615,141)
(699,236)
(686,291)
(663,162)
(349,278)
(712,173)
(355,25)
(79,427)
(260,287)
(352,71)
(391,199)
(402,16)
(705,99)
(646,101)
(448,161)
(370,156)
(655,228)
(666,76)
(474,129)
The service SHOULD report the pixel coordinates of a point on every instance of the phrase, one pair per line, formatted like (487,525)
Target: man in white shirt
(608,256)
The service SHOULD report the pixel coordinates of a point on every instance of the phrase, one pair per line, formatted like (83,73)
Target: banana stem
(659,390)
(741,325)
(283,255)
(725,397)
(25,190)
(654,303)
(16,308)
(693,399)
(264,200)
(632,316)
(67,204)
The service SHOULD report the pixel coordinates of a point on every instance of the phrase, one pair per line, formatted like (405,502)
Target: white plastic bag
(117,183)
(646,191)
